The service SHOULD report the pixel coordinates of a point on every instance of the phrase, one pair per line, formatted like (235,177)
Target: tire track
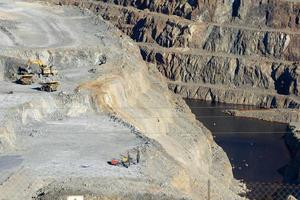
(9,35)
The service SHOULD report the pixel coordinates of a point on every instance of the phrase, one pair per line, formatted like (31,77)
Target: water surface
(256,148)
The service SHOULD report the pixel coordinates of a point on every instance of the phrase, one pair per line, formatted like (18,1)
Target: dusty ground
(32,25)
(73,147)
(52,138)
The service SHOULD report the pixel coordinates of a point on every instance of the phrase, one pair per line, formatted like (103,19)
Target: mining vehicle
(26,79)
(46,70)
(51,86)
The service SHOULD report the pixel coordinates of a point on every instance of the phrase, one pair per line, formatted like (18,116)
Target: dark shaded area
(256,148)
(37,88)
(284,82)
(144,54)
(274,191)
(137,30)
(235,8)
(142,4)
(266,43)
(285,79)
(268,17)
(159,58)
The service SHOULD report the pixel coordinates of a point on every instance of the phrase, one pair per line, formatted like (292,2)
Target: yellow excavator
(35,62)
(27,74)
(46,70)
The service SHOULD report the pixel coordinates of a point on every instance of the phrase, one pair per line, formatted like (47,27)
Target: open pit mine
(149,99)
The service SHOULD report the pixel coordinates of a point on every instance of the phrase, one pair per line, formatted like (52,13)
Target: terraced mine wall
(243,52)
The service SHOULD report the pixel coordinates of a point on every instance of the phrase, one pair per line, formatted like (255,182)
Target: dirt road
(25,24)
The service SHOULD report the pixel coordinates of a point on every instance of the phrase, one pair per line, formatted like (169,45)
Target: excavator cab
(46,70)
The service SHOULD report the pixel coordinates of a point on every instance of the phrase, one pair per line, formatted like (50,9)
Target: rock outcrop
(193,67)
(216,44)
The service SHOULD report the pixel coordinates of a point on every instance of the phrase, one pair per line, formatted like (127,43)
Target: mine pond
(256,148)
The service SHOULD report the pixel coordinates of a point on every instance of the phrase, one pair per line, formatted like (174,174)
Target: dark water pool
(256,148)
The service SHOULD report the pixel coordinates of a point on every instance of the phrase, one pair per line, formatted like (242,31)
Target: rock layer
(213,44)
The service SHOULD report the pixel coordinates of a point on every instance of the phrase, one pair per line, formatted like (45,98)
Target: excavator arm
(37,62)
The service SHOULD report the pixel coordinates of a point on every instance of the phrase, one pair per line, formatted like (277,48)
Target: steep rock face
(146,30)
(180,8)
(262,98)
(175,32)
(217,70)
(258,13)
(206,51)
(274,13)
(247,42)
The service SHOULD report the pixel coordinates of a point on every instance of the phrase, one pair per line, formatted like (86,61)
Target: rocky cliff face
(273,14)
(225,74)
(171,31)
(180,8)
(233,46)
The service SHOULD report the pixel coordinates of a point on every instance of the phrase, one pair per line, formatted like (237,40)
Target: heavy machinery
(51,86)
(49,71)
(45,69)
(26,79)
(37,62)
(125,161)
(37,67)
